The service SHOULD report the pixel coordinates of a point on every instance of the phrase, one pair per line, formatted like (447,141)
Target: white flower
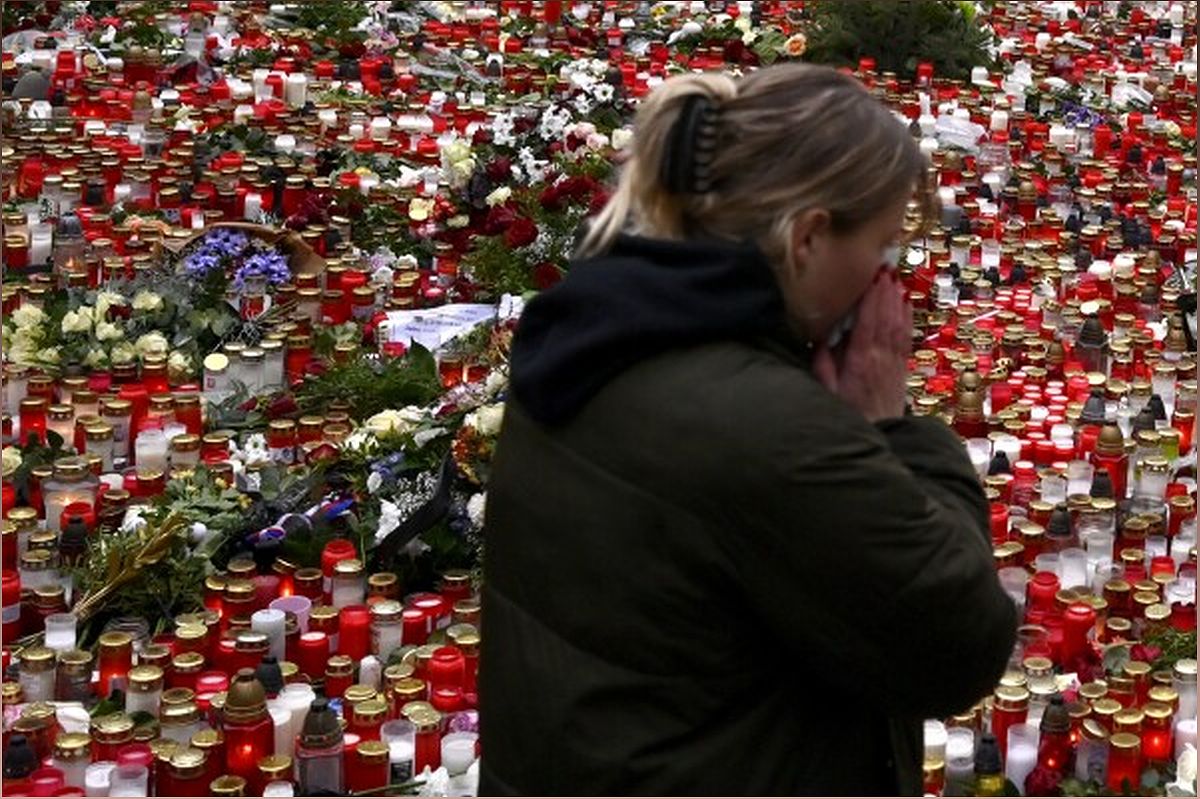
(489,418)
(49,355)
(419,208)
(498,196)
(153,343)
(374,481)
(495,382)
(389,519)
(407,262)
(179,363)
(457,162)
(96,357)
(107,331)
(133,520)
(396,421)
(28,316)
(124,352)
(105,300)
(77,321)
(11,459)
(476,506)
(199,532)
(458,221)
(583,103)
(603,92)
(1185,773)
(361,440)
(147,301)
(436,783)
(621,138)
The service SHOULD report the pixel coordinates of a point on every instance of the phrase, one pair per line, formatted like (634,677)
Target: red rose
(284,405)
(499,169)
(599,200)
(520,233)
(546,275)
(551,198)
(1043,781)
(1144,653)
(249,404)
(498,220)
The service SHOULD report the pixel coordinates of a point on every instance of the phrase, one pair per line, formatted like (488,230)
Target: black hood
(642,298)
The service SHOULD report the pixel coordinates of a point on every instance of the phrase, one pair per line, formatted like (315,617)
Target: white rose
(419,208)
(489,418)
(49,355)
(476,506)
(147,301)
(28,316)
(76,321)
(95,358)
(124,352)
(105,300)
(457,222)
(11,459)
(154,343)
(179,363)
(498,197)
(621,138)
(107,331)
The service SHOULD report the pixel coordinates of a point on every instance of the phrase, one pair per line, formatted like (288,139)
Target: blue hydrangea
(269,265)
(214,251)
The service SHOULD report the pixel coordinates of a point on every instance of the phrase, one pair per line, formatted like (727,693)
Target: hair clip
(691,148)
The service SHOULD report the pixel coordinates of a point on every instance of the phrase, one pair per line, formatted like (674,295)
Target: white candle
(253,207)
(328,118)
(60,632)
(999,119)
(1176,14)
(296,698)
(381,128)
(366,183)
(370,671)
(270,622)
(261,90)
(285,143)
(1185,733)
(458,751)
(41,242)
(150,450)
(281,717)
(296,89)
(297,605)
(1042,41)
(243,114)
(960,760)
(96,778)
(979,75)
(1022,754)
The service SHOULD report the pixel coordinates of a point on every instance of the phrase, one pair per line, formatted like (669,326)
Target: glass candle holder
(60,632)
(1124,762)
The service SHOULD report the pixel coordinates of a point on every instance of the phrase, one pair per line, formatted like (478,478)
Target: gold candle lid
(228,785)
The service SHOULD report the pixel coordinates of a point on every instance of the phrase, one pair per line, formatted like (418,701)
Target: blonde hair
(790,137)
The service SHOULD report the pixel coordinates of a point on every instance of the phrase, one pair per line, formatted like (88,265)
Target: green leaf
(1115,658)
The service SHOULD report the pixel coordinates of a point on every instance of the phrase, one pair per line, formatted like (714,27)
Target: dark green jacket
(718,578)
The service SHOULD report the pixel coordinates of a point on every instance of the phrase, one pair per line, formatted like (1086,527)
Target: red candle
(33,419)
(10,600)
(415,627)
(446,668)
(1042,588)
(354,631)
(1078,621)
(312,652)
(335,551)
(428,739)
(115,660)
(1124,762)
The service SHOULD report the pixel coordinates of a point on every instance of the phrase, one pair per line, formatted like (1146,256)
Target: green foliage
(374,385)
(239,138)
(332,22)
(1175,645)
(898,34)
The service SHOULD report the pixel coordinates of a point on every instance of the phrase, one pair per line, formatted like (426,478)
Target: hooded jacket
(703,572)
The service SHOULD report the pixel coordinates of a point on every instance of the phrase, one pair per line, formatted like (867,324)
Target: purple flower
(267,265)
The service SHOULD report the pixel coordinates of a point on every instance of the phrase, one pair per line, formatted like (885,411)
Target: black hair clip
(687,166)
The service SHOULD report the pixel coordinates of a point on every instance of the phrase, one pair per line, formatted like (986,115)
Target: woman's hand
(869,372)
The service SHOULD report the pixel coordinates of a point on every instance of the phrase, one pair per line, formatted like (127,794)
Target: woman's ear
(808,228)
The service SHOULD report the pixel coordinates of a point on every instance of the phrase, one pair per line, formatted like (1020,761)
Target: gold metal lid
(1124,740)
(279,766)
(145,678)
(72,745)
(228,785)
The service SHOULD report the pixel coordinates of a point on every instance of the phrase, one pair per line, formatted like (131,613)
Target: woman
(721,559)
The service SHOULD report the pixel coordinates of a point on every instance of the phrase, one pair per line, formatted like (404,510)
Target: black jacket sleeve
(869,545)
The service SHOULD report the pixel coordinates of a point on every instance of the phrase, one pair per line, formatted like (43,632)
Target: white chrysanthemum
(147,301)
(48,355)
(603,92)
(621,138)
(95,358)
